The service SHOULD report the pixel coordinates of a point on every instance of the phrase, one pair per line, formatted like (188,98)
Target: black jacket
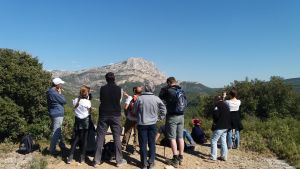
(168,95)
(221,117)
(110,97)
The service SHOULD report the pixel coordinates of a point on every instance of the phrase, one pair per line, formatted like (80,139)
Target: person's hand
(59,90)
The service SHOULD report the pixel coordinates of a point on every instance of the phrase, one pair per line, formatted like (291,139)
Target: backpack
(26,145)
(131,106)
(180,101)
(109,151)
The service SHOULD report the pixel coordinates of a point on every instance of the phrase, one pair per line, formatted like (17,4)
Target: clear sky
(213,41)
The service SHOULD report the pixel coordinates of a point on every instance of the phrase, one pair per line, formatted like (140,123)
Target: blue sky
(213,42)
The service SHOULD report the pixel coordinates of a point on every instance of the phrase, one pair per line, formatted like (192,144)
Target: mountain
(295,82)
(128,73)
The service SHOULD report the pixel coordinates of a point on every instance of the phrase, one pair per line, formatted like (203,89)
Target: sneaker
(180,159)
(123,162)
(173,162)
(69,160)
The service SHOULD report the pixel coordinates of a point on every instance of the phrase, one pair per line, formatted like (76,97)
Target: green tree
(23,84)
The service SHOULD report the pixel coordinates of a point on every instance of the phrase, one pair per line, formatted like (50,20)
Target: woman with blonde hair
(82,109)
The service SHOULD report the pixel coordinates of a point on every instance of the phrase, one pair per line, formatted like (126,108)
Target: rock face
(131,70)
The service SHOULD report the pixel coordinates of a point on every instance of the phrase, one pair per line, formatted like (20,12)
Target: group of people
(143,110)
(226,125)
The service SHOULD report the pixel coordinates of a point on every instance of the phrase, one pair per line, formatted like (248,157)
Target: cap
(57,81)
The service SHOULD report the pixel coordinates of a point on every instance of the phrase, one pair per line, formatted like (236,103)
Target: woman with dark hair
(233,136)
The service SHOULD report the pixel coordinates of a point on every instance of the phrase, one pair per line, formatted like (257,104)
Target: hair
(84,91)
(233,93)
(149,86)
(171,80)
(134,89)
(110,77)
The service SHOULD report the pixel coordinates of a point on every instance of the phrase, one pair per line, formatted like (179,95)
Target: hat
(196,122)
(57,81)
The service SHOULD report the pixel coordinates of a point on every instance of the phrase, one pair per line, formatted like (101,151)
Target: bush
(23,84)
(11,123)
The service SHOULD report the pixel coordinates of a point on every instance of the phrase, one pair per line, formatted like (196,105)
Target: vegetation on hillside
(271,109)
(23,105)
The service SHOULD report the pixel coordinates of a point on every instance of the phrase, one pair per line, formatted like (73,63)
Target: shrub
(23,84)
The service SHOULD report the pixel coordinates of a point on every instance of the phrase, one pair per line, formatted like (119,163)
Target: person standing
(176,102)
(110,116)
(56,102)
(233,136)
(82,108)
(221,123)
(131,118)
(149,109)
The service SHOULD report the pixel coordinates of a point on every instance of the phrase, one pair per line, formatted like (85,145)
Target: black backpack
(109,151)
(180,101)
(26,145)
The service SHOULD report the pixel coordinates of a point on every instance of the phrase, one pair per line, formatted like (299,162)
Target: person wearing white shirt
(82,107)
(233,135)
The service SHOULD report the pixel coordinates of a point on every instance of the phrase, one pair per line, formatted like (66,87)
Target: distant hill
(295,82)
(128,73)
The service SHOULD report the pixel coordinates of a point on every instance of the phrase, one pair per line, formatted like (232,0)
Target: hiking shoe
(151,166)
(69,160)
(173,162)
(121,163)
(222,158)
(180,159)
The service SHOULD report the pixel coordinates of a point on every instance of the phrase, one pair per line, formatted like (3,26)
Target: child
(82,108)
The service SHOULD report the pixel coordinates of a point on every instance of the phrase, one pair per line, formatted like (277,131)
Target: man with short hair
(56,102)
(110,116)
(174,121)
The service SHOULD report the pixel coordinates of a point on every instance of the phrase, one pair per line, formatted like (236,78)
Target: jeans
(187,135)
(147,135)
(114,123)
(217,134)
(56,134)
(233,141)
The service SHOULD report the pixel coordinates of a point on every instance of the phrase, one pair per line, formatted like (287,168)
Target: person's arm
(157,136)
(162,109)
(55,96)
(127,103)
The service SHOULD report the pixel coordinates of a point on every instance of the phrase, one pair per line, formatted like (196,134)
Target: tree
(23,84)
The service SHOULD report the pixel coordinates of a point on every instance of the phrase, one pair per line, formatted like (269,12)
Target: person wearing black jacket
(110,116)
(221,123)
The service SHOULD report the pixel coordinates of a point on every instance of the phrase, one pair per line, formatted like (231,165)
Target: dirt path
(237,159)
(197,160)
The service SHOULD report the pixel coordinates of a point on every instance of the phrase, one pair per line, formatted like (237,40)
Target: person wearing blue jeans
(56,102)
(221,123)
(149,109)
(233,138)
(188,136)
(56,134)
(146,134)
